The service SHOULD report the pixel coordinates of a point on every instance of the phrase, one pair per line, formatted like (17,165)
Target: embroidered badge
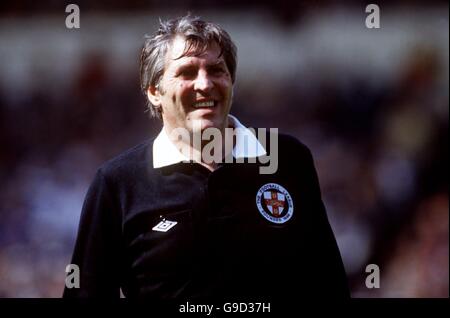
(164,225)
(275,203)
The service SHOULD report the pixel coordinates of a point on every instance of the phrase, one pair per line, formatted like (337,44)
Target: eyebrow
(191,65)
(219,63)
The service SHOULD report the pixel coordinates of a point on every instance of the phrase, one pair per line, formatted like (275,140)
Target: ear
(154,96)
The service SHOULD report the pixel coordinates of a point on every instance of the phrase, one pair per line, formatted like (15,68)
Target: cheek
(226,88)
(183,90)
(179,93)
(222,82)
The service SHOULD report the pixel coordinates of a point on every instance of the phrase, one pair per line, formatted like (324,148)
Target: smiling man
(160,222)
(193,87)
(194,93)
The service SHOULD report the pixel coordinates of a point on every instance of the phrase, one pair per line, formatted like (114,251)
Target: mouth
(205,104)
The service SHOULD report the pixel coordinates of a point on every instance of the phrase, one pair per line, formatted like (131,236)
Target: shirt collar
(247,146)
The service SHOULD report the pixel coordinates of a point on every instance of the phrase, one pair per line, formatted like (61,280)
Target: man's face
(195,88)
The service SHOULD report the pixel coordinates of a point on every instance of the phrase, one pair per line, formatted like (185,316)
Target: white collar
(247,146)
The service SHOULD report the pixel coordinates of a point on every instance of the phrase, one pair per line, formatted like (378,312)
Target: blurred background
(372,105)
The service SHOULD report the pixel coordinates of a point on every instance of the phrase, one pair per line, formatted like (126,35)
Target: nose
(203,82)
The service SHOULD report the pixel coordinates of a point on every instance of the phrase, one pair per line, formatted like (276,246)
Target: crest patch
(274,203)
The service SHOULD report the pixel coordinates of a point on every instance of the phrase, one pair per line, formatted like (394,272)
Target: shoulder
(129,163)
(292,143)
(287,145)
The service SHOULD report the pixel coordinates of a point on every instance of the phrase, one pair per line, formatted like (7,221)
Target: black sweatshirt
(224,242)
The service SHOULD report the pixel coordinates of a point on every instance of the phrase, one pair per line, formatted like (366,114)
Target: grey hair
(199,35)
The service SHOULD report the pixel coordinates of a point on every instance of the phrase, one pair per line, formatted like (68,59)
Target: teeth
(204,104)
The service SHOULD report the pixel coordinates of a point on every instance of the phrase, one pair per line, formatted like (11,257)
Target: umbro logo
(164,225)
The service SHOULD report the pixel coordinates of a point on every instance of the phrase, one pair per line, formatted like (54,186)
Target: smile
(210,103)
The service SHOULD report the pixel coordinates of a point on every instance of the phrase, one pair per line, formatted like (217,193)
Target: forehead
(177,47)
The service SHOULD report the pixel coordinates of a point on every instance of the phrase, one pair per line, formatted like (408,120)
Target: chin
(201,124)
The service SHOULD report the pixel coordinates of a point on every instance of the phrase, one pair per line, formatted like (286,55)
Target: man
(164,221)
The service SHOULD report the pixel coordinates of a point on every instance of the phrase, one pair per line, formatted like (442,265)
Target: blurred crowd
(381,151)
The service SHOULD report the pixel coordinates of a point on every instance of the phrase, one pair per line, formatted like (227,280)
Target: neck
(209,153)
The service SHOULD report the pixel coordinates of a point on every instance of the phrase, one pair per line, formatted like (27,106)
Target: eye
(187,73)
(217,70)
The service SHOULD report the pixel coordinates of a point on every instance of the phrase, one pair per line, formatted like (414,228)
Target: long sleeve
(331,280)
(97,250)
